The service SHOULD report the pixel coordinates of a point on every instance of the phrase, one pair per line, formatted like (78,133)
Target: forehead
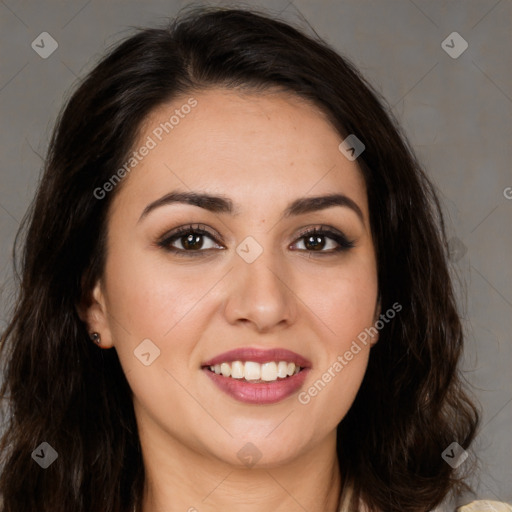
(254,147)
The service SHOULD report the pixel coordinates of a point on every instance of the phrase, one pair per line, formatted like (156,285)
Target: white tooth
(212,368)
(252,370)
(269,371)
(217,368)
(237,370)
(297,370)
(225,369)
(282,369)
(291,368)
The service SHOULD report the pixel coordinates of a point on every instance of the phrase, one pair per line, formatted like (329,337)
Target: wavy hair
(61,389)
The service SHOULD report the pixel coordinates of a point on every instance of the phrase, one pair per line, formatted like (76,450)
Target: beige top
(486,506)
(474,506)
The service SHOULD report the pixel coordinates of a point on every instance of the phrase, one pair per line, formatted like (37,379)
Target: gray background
(456,112)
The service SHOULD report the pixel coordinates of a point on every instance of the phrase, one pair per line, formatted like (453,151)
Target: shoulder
(485,506)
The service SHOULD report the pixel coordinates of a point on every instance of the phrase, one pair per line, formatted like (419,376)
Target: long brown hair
(61,389)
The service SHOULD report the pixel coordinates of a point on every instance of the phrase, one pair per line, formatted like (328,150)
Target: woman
(234,291)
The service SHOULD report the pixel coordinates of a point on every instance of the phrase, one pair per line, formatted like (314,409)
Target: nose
(261,293)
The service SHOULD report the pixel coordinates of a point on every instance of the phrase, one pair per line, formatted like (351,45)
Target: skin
(262,151)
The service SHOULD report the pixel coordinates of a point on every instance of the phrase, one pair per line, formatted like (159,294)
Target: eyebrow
(222,204)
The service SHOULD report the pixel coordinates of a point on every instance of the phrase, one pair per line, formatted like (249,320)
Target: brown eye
(192,241)
(325,241)
(189,239)
(314,242)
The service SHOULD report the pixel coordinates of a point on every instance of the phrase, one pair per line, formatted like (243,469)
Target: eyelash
(165,242)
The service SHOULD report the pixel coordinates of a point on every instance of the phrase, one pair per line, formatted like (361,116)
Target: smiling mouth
(255,373)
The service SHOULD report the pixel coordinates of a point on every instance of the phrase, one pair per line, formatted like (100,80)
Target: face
(257,283)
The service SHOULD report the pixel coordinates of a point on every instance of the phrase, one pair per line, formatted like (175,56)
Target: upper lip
(259,355)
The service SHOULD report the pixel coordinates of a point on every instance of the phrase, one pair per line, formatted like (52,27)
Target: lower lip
(259,393)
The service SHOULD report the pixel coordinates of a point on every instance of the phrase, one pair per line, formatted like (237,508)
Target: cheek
(149,297)
(344,300)
(345,303)
(346,306)
(332,391)
(151,300)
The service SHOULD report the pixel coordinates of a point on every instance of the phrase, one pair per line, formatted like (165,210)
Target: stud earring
(96,338)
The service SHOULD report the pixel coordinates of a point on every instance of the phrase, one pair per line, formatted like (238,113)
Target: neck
(181,479)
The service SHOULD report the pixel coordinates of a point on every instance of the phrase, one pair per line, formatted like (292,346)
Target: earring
(96,338)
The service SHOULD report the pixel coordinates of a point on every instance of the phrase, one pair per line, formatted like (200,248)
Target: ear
(93,312)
